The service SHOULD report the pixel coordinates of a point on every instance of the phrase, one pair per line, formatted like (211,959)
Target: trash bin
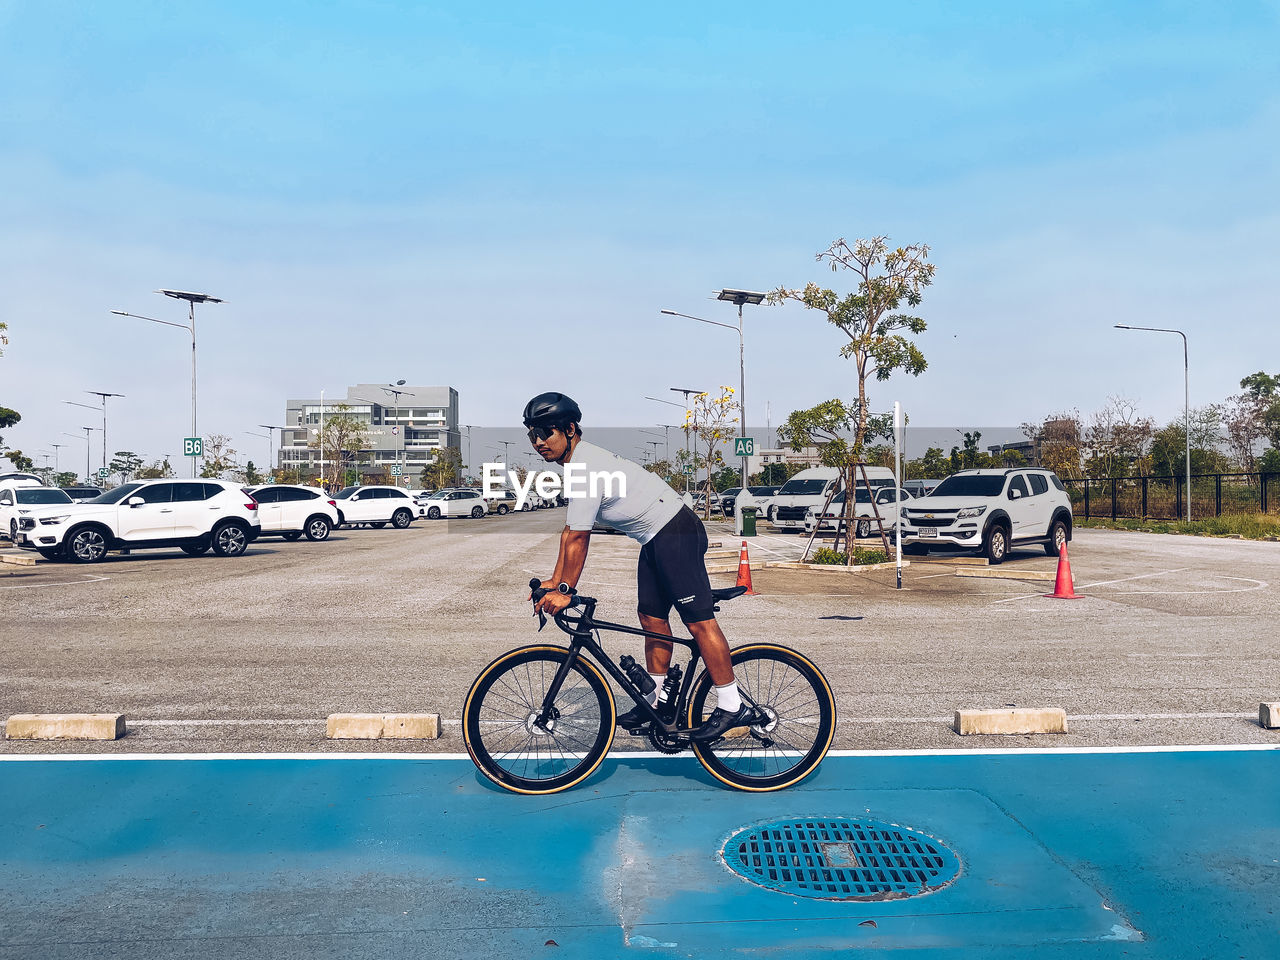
(748,521)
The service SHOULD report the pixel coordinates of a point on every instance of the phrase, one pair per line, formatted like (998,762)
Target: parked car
(195,515)
(810,488)
(728,499)
(991,510)
(758,497)
(501,503)
(377,505)
(295,511)
(864,515)
(463,502)
(83,494)
(20,498)
(920,488)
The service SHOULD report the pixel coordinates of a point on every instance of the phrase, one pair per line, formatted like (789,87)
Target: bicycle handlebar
(537,591)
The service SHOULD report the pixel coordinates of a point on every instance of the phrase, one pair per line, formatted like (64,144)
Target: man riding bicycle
(671,570)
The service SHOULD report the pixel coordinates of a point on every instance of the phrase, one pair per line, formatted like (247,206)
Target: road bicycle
(540,719)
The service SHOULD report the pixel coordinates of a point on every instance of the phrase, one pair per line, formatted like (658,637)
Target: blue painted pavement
(1062,854)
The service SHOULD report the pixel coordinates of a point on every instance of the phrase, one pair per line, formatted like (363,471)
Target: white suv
(376,505)
(292,511)
(863,514)
(192,514)
(457,502)
(991,510)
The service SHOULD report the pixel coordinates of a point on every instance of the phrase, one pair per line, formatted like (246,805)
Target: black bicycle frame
(581,630)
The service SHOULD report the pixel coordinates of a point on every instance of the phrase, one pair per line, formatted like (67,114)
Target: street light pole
(738,297)
(192,299)
(104,395)
(685,408)
(271,455)
(1186,399)
(89,406)
(391,388)
(85,438)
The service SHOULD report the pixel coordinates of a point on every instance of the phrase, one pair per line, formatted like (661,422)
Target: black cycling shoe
(722,721)
(634,720)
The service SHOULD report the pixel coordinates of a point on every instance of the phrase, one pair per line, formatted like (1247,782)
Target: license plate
(927,532)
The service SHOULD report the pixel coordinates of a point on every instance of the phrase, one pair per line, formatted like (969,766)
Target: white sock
(728,698)
(657,693)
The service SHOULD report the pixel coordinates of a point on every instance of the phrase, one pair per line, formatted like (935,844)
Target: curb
(383,726)
(831,567)
(65,726)
(1017,721)
(18,560)
(1269,716)
(997,573)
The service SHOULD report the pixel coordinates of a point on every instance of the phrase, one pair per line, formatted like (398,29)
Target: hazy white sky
(502,201)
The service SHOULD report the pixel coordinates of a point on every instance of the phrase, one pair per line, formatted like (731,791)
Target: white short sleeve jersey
(602,485)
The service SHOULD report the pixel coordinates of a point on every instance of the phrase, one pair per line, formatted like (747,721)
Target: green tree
(932,466)
(125,464)
(8,418)
(20,460)
(827,427)
(710,421)
(219,457)
(156,470)
(445,470)
(1169,445)
(344,439)
(775,474)
(725,477)
(64,478)
(878,337)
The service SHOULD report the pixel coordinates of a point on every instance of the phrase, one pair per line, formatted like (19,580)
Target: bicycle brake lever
(542,620)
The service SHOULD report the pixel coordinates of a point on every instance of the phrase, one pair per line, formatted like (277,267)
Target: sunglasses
(540,433)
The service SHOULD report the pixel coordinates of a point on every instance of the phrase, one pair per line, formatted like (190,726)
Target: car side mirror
(1015,494)
(136,501)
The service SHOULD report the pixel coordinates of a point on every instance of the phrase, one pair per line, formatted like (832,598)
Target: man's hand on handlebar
(553,603)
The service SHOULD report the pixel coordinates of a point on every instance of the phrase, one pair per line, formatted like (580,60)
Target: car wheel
(318,528)
(864,529)
(1057,538)
(50,553)
(194,549)
(291,536)
(477,512)
(995,545)
(502,510)
(86,545)
(433,513)
(401,519)
(230,539)
(13,531)
(378,524)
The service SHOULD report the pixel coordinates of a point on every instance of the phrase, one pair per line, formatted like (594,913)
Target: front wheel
(995,545)
(504,739)
(801,720)
(1057,538)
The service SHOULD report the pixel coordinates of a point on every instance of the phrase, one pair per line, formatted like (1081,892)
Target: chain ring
(667,743)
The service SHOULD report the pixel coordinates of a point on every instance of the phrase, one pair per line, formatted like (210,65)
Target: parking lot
(1171,643)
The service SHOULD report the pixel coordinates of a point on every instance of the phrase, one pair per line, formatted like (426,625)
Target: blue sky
(503,199)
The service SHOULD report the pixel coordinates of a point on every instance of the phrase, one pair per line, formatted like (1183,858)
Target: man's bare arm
(573,556)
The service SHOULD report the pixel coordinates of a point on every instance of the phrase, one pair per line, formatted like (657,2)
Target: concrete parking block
(378,726)
(20,560)
(65,726)
(1006,573)
(1269,716)
(1022,720)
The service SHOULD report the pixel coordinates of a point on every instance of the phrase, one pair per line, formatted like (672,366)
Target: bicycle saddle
(727,593)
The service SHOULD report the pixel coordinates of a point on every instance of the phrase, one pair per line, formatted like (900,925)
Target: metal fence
(1161,498)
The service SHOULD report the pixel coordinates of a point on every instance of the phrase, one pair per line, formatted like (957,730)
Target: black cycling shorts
(672,571)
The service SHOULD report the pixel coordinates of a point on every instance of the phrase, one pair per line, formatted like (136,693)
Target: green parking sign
(744,447)
(102,473)
(192,447)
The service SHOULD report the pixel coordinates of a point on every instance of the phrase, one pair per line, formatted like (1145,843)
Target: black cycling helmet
(551,410)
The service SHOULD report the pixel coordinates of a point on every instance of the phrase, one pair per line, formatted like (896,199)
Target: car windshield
(763,491)
(118,494)
(802,487)
(731,492)
(438,495)
(42,496)
(970,485)
(346,492)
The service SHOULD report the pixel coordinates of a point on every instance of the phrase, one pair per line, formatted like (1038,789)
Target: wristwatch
(565,588)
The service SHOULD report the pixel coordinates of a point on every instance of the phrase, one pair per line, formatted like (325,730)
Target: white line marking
(1100,583)
(60,583)
(224,723)
(653,755)
(1258,585)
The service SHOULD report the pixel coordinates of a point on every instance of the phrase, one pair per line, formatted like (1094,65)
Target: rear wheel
(230,540)
(995,545)
(318,528)
(801,720)
(401,519)
(502,510)
(1057,538)
(477,512)
(498,721)
(864,529)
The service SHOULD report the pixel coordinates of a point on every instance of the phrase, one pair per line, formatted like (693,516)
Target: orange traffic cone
(744,571)
(1063,587)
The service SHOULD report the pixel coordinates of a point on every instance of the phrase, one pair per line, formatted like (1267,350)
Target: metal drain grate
(841,859)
